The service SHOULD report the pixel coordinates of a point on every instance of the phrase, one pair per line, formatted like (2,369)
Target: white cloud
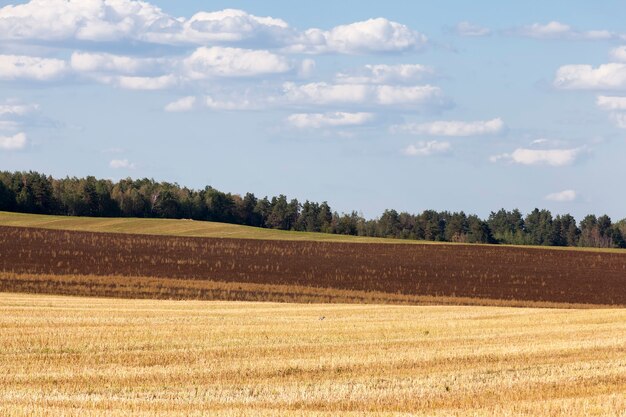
(11,143)
(611,103)
(585,77)
(94,20)
(558,30)
(13,109)
(386,74)
(427,148)
(401,95)
(143,83)
(229,25)
(15,67)
(103,62)
(318,120)
(553,157)
(618,54)
(369,36)
(547,143)
(138,73)
(617,108)
(181,105)
(13,115)
(236,103)
(233,62)
(124,20)
(324,93)
(562,196)
(362,94)
(453,128)
(121,164)
(470,30)
(548,30)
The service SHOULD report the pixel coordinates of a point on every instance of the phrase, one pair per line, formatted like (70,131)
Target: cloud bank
(128,20)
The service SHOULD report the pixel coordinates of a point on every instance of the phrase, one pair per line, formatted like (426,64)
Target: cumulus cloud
(103,62)
(552,157)
(229,25)
(334,119)
(453,128)
(95,20)
(470,30)
(369,36)
(325,93)
(562,196)
(611,103)
(123,20)
(181,105)
(558,30)
(584,77)
(143,83)
(362,94)
(16,67)
(233,62)
(386,74)
(432,147)
(390,95)
(121,164)
(11,143)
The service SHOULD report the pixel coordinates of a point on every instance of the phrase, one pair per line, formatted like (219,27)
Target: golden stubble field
(71,356)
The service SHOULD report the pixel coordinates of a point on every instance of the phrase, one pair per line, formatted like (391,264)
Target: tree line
(32,192)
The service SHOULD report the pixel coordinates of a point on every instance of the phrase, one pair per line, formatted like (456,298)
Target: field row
(193,289)
(464,271)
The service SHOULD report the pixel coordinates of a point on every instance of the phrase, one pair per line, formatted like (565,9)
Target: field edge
(138,287)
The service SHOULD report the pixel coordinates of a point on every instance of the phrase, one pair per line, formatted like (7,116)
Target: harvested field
(75,356)
(507,274)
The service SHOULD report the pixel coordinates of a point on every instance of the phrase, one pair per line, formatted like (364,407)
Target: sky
(369,105)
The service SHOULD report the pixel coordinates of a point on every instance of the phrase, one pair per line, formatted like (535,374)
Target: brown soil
(464,271)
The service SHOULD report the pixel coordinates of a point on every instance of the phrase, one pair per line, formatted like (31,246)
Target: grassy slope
(168,227)
(190,228)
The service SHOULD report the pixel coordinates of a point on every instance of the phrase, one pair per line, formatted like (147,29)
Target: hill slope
(171,227)
(193,228)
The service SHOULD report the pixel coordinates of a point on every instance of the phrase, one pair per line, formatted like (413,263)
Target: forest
(33,192)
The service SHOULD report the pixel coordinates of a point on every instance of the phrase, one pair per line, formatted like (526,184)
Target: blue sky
(368,105)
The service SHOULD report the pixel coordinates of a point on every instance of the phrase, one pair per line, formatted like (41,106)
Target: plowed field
(160,267)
